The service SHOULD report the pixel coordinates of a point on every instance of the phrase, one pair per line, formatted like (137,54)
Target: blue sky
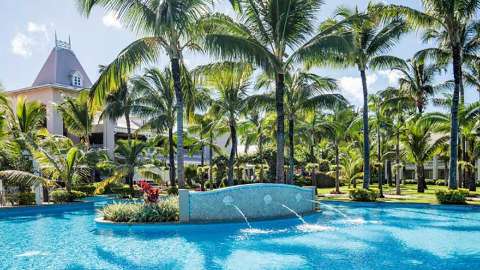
(28,27)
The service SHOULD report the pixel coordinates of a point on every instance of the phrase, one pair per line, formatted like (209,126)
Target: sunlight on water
(32,254)
(261,231)
(314,228)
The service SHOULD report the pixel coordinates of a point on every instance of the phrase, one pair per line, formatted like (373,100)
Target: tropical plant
(230,82)
(369,38)
(340,120)
(166,24)
(155,103)
(58,160)
(119,104)
(420,145)
(449,20)
(269,34)
(304,92)
(416,84)
(78,114)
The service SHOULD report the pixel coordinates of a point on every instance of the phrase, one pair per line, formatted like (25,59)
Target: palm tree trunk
(210,158)
(233,150)
(366,141)
(291,123)
(127,119)
(457,74)
(379,160)
(202,154)
(337,169)
(260,151)
(280,159)
(397,160)
(171,157)
(420,178)
(179,107)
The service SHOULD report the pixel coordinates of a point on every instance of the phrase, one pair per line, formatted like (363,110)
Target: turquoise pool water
(371,236)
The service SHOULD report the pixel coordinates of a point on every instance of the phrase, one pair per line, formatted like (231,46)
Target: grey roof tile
(59,67)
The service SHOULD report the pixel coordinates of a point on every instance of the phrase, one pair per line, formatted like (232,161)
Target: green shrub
(78,194)
(430,181)
(410,182)
(87,189)
(363,195)
(441,183)
(452,196)
(62,196)
(26,198)
(124,191)
(163,211)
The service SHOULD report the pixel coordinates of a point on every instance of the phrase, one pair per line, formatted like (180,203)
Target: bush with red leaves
(151,194)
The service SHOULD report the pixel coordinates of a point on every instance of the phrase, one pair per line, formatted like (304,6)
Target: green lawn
(409,192)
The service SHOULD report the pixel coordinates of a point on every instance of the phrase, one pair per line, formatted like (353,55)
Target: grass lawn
(409,194)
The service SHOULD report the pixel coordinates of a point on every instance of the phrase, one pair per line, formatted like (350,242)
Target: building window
(76,80)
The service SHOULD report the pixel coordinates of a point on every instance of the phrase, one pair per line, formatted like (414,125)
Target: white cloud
(22,45)
(111,20)
(392,76)
(36,28)
(352,87)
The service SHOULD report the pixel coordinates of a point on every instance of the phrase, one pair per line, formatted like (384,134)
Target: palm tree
(450,17)
(472,76)
(467,117)
(397,111)
(420,145)
(58,160)
(155,102)
(167,24)
(304,92)
(26,118)
(269,34)
(77,114)
(230,82)
(416,83)
(369,38)
(340,120)
(130,155)
(119,104)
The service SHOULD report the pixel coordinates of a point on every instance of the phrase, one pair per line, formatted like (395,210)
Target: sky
(27,34)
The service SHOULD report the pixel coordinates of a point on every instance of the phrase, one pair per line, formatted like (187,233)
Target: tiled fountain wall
(256,201)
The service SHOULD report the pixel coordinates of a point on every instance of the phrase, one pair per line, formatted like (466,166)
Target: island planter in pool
(253,201)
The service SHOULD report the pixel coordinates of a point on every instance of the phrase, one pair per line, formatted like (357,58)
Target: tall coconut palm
(340,119)
(155,102)
(416,83)
(168,25)
(397,106)
(304,92)
(451,18)
(270,35)
(370,38)
(420,145)
(77,114)
(230,82)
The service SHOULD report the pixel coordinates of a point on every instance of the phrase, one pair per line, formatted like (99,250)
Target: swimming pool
(371,236)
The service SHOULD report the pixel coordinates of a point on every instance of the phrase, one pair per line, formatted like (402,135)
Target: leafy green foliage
(456,196)
(166,210)
(363,195)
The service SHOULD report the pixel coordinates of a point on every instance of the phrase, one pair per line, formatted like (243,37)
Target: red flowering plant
(150,194)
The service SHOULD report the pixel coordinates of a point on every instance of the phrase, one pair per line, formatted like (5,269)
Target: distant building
(61,76)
